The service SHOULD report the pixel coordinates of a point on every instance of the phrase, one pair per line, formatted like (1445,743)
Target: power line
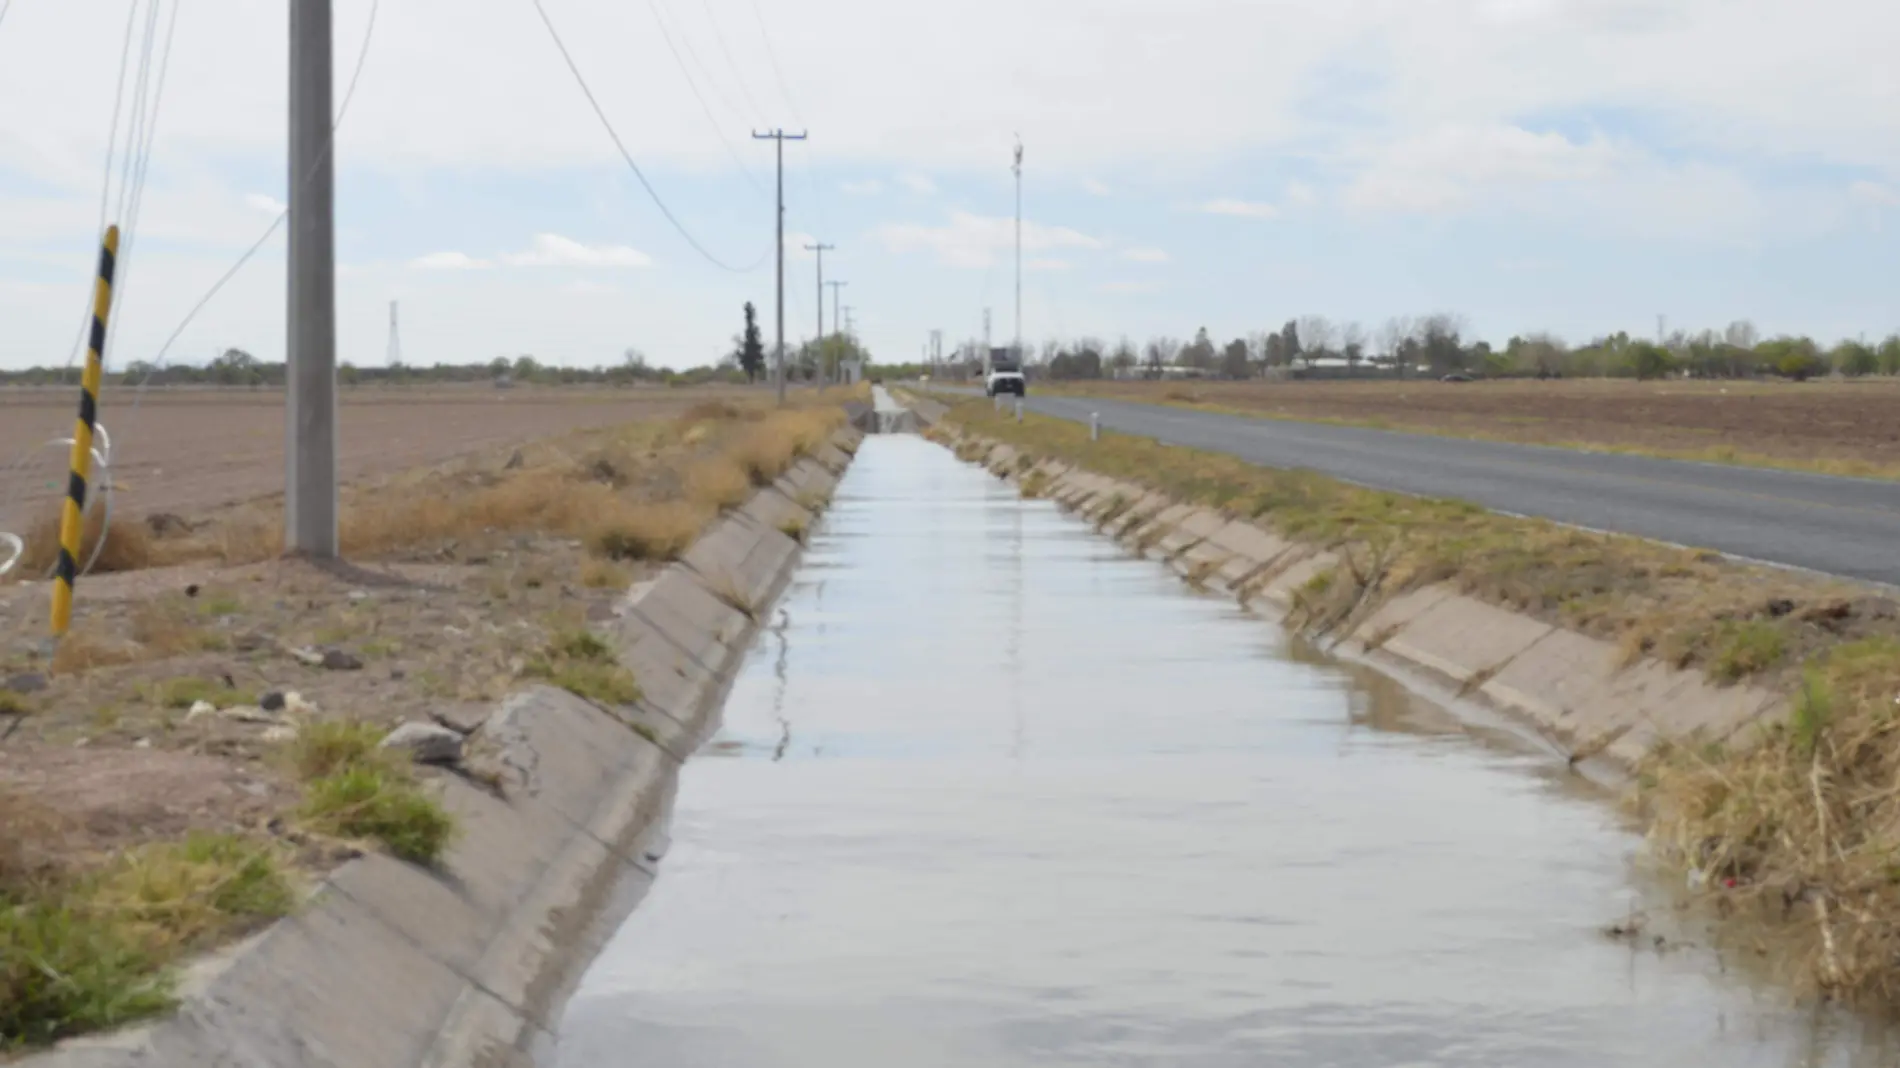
(772,55)
(737,75)
(5,6)
(686,42)
(608,125)
(718,127)
(349,94)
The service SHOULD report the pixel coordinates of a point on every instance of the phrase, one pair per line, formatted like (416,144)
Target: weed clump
(580,663)
(355,789)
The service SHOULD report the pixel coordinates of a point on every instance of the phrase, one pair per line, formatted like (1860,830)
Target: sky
(1572,166)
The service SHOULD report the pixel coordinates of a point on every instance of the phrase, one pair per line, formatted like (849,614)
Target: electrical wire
(777,72)
(5,6)
(608,125)
(718,128)
(134,208)
(731,64)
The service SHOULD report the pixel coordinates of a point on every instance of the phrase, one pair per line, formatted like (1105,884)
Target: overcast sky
(1579,166)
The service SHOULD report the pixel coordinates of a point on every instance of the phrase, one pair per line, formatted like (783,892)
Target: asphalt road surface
(1841,526)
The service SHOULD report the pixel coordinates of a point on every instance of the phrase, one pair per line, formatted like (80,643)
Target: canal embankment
(1749,709)
(471,961)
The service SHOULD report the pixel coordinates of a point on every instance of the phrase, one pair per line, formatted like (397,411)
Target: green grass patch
(1746,648)
(581,663)
(355,789)
(93,950)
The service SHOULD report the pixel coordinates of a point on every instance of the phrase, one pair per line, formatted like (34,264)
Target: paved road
(1842,526)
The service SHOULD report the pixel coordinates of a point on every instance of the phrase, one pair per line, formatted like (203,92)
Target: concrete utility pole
(986,343)
(780,136)
(1019,247)
(821,248)
(310,504)
(394,358)
(836,319)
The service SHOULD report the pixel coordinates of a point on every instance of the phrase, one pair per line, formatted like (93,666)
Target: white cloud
(970,240)
(918,183)
(1046,263)
(266,204)
(869,187)
(1454,166)
(1147,255)
(546,250)
(553,250)
(1301,194)
(1094,188)
(1245,209)
(448,261)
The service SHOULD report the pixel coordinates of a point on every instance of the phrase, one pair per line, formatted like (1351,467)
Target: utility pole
(986,344)
(850,328)
(780,136)
(821,248)
(310,484)
(395,338)
(1019,248)
(836,319)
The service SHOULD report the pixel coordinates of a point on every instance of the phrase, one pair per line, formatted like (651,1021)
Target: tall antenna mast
(395,338)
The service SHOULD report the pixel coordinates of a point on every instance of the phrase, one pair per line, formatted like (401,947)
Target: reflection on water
(990,793)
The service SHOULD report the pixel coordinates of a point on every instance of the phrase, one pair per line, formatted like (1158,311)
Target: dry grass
(1802,829)
(720,483)
(128,545)
(648,532)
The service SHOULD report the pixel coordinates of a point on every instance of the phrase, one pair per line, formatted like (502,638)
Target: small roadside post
(1095,426)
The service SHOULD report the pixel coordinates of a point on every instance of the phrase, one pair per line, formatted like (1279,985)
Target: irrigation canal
(990,792)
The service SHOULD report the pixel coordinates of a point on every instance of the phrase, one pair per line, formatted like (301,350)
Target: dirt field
(189,450)
(1841,427)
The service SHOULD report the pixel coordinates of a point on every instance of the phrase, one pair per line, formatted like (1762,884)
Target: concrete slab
(1195,527)
(741,562)
(1275,595)
(775,510)
(704,627)
(1250,550)
(1463,639)
(1556,677)
(1392,616)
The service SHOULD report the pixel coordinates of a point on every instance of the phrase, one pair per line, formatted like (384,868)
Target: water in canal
(992,793)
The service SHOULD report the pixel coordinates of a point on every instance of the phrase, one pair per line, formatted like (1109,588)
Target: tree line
(1437,345)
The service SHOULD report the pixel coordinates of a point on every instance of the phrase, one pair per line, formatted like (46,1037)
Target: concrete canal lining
(390,965)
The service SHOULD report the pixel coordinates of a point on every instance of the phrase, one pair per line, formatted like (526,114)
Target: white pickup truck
(1001,382)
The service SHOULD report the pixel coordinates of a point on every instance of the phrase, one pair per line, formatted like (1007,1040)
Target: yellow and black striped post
(72,520)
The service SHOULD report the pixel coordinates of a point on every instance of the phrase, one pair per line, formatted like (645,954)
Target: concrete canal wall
(393,966)
(1580,693)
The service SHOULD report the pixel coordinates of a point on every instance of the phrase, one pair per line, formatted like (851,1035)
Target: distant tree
(1438,338)
(1742,334)
(1393,338)
(1234,359)
(1290,343)
(1798,358)
(499,366)
(1161,352)
(1352,344)
(1649,360)
(526,369)
(751,349)
(1316,337)
(1275,351)
(1855,359)
(1890,355)
(1198,353)
(1124,358)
